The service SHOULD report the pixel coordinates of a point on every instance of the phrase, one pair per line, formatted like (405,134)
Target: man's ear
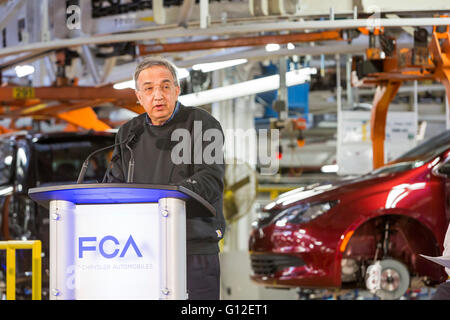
(138,95)
(178,90)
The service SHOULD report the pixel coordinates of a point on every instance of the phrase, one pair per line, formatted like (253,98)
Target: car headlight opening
(303,213)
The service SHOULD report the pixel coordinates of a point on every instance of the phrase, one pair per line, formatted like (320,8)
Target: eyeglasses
(164,88)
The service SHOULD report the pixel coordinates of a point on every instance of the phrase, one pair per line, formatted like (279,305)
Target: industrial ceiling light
(207,67)
(270,47)
(23,71)
(182,73)
(124,85)
(246,88)
(329,168)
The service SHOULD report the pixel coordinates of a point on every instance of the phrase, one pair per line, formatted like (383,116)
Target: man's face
(157,93)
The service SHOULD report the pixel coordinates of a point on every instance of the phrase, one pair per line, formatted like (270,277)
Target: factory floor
(236,285)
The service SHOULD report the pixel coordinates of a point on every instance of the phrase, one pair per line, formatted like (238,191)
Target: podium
(117,240)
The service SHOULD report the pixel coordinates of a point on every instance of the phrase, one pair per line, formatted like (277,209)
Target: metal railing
(11,247)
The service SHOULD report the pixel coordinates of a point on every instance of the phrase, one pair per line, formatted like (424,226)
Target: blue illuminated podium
(118,240)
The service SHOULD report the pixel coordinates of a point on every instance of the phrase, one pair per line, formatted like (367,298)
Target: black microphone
(130,164)
(135,134)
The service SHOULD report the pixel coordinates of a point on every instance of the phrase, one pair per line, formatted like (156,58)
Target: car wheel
(394,280)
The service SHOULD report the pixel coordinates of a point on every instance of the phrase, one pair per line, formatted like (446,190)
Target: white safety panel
(354,150)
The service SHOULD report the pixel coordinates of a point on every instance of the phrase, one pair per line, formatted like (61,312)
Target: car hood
(349,184)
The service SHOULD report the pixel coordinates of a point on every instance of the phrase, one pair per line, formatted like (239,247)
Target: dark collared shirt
(149,121)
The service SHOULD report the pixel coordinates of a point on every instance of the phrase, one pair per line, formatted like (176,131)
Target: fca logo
(109,255)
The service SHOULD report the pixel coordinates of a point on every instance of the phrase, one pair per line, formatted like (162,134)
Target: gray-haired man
(157,90)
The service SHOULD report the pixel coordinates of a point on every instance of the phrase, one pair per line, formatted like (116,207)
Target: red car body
(325,236)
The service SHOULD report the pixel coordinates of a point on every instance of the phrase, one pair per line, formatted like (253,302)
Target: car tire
(395,280)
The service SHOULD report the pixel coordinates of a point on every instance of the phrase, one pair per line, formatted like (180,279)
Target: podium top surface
(110,193)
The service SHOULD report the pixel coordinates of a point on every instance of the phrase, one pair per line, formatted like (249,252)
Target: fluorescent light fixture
(330,168)
(124,85)
(207,67)
(181,73)
(23,71)
(270,47)
(246,88)
(6,191)
(8,160)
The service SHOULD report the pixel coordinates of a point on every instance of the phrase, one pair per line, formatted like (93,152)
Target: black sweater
(153,148)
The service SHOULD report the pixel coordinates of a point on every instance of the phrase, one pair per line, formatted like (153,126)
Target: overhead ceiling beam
(53,110)
(25,58)
(177,32)
(259,54)
(124,72)
(66,93)
(239,42)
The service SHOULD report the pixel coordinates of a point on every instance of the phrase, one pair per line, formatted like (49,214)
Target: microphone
(131,139)
(130,164)
(135,135)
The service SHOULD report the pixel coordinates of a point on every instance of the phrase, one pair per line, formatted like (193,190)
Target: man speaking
(160,160)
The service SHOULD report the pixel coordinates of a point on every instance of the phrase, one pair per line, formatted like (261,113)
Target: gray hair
(153,61)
